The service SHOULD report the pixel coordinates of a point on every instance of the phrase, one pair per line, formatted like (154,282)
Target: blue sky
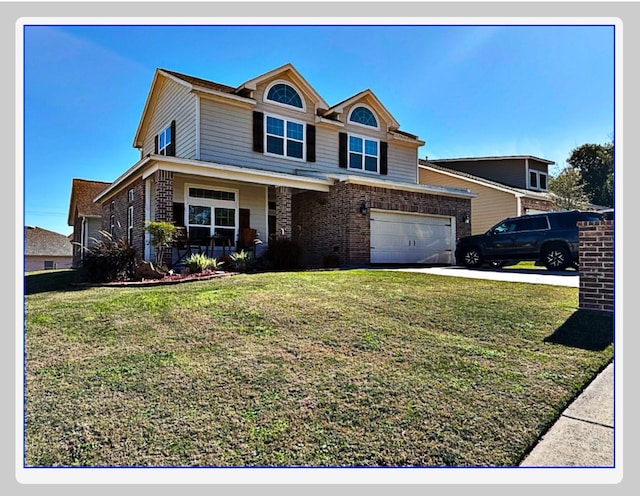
(467,90)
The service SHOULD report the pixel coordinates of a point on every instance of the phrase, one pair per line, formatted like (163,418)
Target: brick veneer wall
(535,204)
(596,266)
(118,206)
(331,223)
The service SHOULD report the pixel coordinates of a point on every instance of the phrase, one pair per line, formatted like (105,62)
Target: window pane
(355,161)
(543,181)
(371,164)
(294,149)
(199,215)
(284,93)
(364,116)
(294,130)
(161,142)
(533,179)
(275,126)
(371,147)
(224,237)
(225,217)
(355,144)
(275,145)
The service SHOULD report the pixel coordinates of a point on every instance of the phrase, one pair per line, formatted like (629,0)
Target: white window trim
(162,150)
(285,156)
(206,202)
(363,138)
(284,105)
(538,175)
(130,225)
(349,121)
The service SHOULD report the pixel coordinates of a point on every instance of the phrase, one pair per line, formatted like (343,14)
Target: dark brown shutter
(155,139)
(258,132)
(172,146)
(383,158)
(311,143)
(342,152)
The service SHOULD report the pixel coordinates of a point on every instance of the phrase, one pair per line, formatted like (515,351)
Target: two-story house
(272,156)
(506,186)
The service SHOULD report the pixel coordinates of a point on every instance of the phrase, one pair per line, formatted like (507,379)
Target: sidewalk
(583,436)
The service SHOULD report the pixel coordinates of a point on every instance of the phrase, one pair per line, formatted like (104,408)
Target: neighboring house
(84,215)
(272,157)
(46,250)
(506,186)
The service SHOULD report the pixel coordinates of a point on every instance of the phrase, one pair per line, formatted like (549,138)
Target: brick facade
(536,205)
(283,212)
(330,224)
(597,278)
(118,206)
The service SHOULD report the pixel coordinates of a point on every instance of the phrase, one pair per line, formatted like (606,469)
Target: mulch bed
(168,279)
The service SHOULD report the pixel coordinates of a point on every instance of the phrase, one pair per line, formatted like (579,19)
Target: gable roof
(279,71)
(244,92)
(83,193)
(484,182)
(369,97)
(41,242)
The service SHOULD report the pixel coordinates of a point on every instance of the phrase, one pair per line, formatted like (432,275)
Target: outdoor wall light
(467,219)
(363,208)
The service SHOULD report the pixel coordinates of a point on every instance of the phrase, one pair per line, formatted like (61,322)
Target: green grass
(336,368)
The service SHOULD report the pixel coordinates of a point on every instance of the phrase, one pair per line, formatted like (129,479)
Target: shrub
(108,259)
(284,254)
(199,262)
(244,260)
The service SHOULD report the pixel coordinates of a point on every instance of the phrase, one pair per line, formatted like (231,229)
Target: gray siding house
(271,156)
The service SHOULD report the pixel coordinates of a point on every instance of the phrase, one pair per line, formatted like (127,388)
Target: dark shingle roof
(201,82)
(40,242)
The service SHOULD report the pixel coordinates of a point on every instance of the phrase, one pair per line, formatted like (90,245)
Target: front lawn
(337,368)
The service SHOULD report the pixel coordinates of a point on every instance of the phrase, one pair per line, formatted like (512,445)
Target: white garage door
(411,238)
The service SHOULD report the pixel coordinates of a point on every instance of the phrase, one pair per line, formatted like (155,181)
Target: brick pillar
(164,203)
(164,196)
(283,212)
(596,266)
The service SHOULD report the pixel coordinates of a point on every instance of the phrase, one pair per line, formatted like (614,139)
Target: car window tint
(532,224)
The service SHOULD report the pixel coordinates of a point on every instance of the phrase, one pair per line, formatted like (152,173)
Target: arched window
(285,94)
(364,116)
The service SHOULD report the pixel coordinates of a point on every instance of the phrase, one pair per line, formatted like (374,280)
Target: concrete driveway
(569,278)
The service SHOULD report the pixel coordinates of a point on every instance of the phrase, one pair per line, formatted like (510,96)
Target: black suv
(549,239)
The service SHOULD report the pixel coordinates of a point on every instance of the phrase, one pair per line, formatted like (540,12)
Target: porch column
(163,204)
(283,212)
(164,196)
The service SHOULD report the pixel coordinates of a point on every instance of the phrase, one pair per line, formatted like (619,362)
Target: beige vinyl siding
(487,209)
(227,138)
(174,101)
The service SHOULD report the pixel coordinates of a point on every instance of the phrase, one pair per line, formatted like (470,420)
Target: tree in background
(595,165)
(567,190)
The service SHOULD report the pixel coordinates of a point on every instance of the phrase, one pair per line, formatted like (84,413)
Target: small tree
(162,235)
(568,190)
(595,164)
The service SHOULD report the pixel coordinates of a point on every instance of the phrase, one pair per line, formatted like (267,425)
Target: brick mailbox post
(597,281)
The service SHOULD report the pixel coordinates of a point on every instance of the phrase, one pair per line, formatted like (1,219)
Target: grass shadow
(585,329)
(43,282)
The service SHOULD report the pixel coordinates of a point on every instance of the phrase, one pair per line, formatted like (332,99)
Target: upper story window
(363,153)
(165,139)
(284,94)
(284,137)
(538,180)
(130,194)
(364,116)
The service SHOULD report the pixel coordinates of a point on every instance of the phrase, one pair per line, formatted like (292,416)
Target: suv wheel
(472,258)
(556,258)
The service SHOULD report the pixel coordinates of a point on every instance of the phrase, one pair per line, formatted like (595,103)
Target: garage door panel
(410,238)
